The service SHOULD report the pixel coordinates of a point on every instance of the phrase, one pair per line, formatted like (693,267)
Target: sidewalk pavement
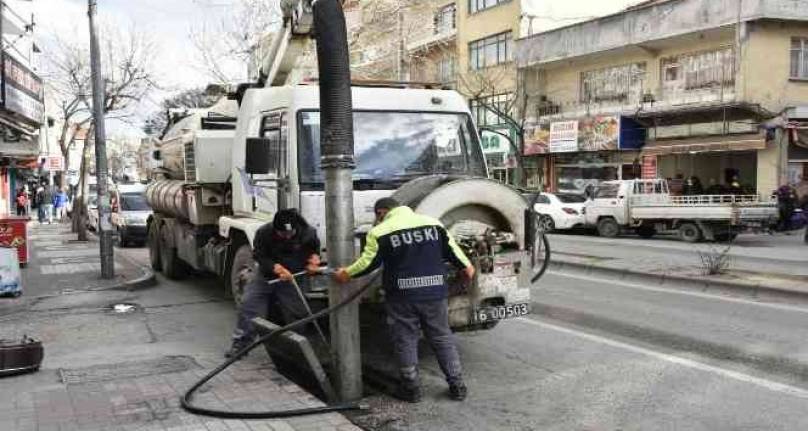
(125,371)
(777,263)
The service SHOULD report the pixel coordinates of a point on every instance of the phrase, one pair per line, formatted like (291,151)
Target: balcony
(645,26)
(440,38)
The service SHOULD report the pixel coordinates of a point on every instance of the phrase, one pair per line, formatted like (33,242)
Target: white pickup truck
(647,207)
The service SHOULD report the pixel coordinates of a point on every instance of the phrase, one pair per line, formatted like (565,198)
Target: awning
(746,142)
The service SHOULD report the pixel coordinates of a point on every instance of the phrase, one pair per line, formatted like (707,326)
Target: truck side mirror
(257,156)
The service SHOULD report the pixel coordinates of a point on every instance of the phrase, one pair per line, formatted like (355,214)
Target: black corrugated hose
(187,398)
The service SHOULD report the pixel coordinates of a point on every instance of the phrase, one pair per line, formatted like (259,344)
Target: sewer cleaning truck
(418,145)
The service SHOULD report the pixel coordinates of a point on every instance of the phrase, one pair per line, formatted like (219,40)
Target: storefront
(715,161)
(581,153)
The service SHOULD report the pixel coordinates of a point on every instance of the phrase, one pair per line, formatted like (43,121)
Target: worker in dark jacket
(413,248)
(286,246)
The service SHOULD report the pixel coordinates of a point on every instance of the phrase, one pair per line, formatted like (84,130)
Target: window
(543,200)
(483,116)
(607,191)
(478,5)
(392,148)
(799,58)
(274,128)
(491,51)
(617,83)
(446,69)
(445,19)
(707,69)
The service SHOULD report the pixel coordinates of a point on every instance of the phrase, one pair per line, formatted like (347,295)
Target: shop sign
(22,90)
(537,139)
(563,136)
(494,142)
(55,163)
(599,133)
(649,167)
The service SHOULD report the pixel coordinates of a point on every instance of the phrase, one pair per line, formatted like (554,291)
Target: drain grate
(127,370)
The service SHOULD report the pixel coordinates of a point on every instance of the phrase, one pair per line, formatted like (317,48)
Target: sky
(170,22)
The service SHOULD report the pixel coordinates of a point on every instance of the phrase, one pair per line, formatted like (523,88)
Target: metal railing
(698,200)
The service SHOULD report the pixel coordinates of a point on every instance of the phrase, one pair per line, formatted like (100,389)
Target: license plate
(500,312)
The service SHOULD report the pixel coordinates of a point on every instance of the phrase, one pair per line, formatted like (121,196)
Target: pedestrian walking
(21,201)
(281,248)
(48,196)
(412,248)
(39,199)
(786,203)
(60,204)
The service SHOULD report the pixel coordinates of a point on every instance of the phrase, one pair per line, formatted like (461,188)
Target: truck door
(271,192)
(606,203)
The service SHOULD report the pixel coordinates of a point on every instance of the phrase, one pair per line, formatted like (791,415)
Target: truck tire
(153,240)
(646,232)
(242,272)
(608,228)
(690,232)
(173,267)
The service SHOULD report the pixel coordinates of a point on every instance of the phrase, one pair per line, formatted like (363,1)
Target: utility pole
(337,161)
(104,226)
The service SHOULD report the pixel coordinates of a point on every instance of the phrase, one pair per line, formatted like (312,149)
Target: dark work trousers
(406,320)
(280,302)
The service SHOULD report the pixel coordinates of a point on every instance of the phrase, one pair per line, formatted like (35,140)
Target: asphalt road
(604,355)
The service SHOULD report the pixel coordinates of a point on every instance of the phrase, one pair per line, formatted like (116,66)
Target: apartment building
(714,89)
(21,108)
(470,47)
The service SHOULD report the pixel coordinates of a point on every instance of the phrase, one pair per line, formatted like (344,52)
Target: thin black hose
(187,398)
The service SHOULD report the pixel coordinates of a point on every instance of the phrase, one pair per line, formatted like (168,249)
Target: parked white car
(560,210)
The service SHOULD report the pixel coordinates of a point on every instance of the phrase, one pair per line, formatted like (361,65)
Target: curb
(146,279)
(662,279)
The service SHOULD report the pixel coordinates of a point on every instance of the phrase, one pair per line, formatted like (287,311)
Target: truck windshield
(394,147)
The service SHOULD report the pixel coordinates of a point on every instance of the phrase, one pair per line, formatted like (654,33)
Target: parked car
(560,210)
(130,211)
(92,212)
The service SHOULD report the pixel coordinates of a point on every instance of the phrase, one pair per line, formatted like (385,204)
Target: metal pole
(337,149)
(104,226)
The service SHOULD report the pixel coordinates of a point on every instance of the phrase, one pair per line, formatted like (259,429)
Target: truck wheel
(242,272)
(646,232)
(153,241)
(608,228)
(689,232)
(173,267)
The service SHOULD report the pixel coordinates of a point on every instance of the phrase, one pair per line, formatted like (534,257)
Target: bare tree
(129,76)
(157,122)
(225,48)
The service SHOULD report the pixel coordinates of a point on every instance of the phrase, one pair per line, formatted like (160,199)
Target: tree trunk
(80,211)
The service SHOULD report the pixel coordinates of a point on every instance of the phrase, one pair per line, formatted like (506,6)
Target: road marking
(785,307)
(735,375)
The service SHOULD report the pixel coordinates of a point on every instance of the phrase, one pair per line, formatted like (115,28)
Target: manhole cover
(128,370)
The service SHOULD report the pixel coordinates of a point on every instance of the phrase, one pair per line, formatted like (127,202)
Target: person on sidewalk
(282,248)
(413,248)
(48,197)
(22,202)
(60,203)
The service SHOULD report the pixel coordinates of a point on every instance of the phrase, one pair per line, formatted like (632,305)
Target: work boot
(458,391)
(408,391)
(234,349)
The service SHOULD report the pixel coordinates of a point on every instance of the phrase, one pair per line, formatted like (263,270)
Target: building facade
(21,109)
(712,89)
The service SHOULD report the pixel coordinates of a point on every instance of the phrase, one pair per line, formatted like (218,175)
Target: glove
(342,276)
(313,264)
(468,272)
(282,272)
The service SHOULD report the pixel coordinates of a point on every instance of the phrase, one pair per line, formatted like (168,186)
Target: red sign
(14,233)
(55,163)
(649,167)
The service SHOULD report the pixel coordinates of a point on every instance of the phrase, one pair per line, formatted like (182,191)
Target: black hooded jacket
(270,249)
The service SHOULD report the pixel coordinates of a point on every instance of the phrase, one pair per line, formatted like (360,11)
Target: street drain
(124,308)
(128,370)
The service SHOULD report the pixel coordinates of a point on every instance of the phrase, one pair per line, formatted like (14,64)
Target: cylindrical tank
(168,197)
